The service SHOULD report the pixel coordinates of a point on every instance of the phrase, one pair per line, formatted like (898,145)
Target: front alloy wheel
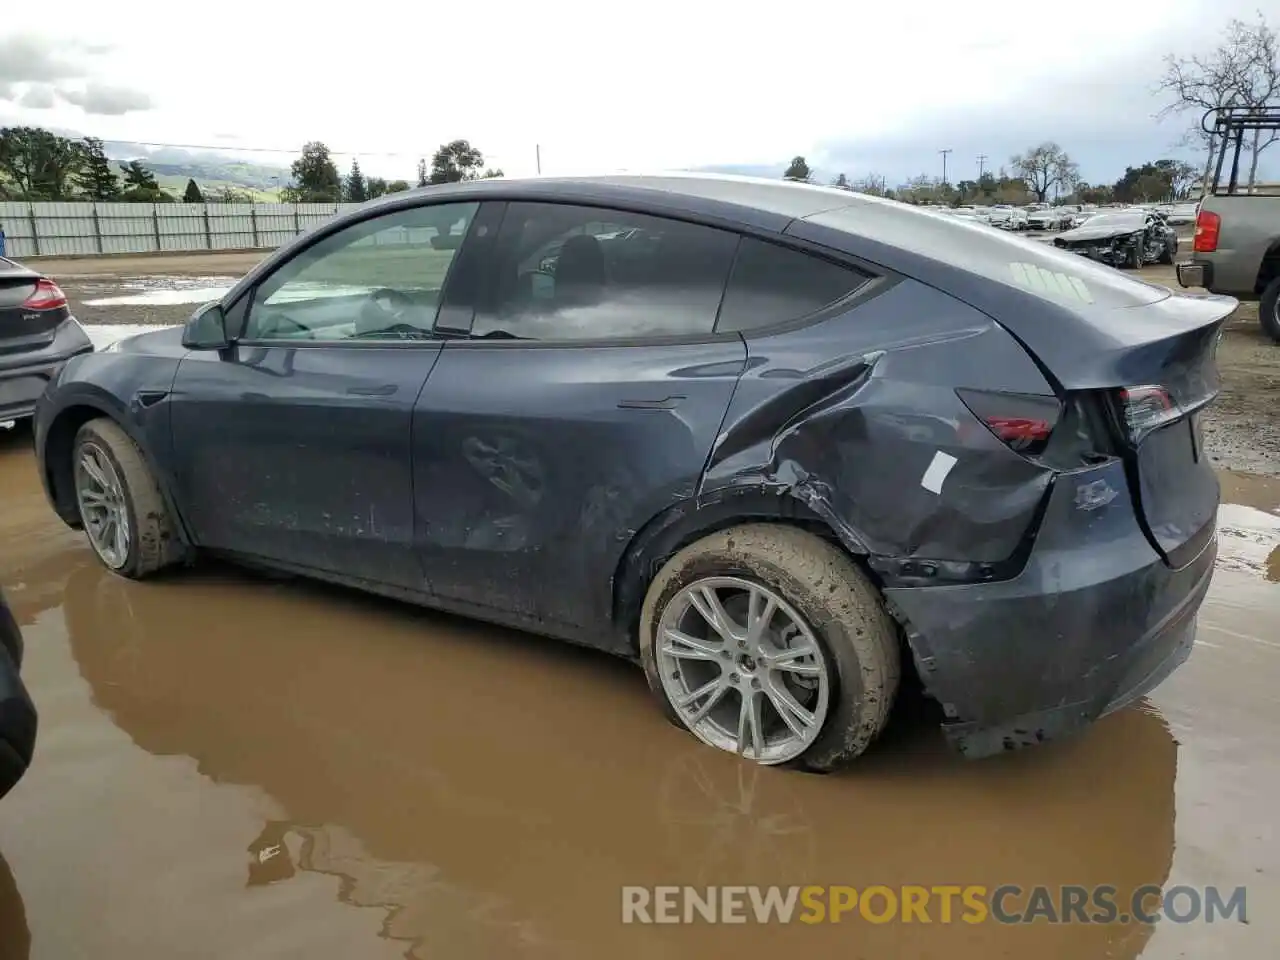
(103,510)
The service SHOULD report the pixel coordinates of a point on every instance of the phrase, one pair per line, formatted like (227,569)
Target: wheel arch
(688,521)
(56,449)
(1269,268)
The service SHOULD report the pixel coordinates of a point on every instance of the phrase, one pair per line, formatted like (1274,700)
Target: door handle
(382,390)
(668,403)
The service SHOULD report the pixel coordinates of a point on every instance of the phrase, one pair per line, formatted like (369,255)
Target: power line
(982,164)
(944,164)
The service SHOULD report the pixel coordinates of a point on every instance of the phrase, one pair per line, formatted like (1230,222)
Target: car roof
(728,195)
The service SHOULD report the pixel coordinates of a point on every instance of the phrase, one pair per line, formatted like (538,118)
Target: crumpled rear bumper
(1095,621)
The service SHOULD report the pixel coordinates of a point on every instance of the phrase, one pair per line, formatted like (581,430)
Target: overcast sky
(610,86)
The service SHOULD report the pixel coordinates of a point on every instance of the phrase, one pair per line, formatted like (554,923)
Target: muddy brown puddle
(230,766)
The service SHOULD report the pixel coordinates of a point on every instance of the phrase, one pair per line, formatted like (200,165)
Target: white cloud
(106,100)
(37,96)
(624,85)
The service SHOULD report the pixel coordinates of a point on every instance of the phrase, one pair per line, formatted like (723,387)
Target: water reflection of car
(448,832)
(17,713)
(661,448)
(37,335)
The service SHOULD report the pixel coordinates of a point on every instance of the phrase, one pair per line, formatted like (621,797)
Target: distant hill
(211,171)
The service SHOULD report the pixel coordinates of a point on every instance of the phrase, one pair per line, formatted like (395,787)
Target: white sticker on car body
(936,475)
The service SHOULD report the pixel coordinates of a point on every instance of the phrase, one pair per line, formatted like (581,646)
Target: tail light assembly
(46,296)
(1208,226)
(1145,409)
(1024,422)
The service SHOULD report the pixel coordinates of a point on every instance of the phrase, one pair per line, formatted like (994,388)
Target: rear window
(997,255)
(770,285)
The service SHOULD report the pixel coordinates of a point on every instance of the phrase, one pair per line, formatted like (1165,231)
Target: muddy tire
(840,608)
(1167,253)
(1269,310)
(151,543)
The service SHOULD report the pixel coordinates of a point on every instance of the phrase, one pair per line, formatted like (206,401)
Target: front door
(583,401)
(294,446)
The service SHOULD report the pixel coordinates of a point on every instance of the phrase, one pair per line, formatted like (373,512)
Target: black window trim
(238,313)
(879,279)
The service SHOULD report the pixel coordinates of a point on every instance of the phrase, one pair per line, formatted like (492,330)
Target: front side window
(585,273)
(378,279)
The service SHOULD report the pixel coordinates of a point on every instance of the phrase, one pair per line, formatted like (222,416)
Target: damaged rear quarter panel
(853,436)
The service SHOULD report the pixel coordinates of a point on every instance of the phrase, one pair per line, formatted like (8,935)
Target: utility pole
(944,165)
(982,164)
(537,149)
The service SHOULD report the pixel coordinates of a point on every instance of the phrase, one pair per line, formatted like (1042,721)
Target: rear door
(582,400)
(293,446)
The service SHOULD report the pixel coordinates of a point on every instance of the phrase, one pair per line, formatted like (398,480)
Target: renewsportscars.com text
(971,904)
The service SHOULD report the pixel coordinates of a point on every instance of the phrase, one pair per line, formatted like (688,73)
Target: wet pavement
(233,766)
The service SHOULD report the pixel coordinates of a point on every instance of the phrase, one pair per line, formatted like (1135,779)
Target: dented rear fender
(886,453)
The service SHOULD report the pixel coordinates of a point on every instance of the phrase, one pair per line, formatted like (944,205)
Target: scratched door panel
(301,455)
(535,465)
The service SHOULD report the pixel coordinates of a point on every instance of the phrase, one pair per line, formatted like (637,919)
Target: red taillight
(1208,225)
(46,296)
(1147,408)
(1019,432)
(1023,421)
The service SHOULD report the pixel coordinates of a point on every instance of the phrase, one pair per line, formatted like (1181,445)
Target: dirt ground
(1242,430)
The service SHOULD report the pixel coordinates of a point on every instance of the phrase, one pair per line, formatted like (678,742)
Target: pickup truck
(1236,250)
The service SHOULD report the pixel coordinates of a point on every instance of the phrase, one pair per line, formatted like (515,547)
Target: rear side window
(771,285)
(567,272)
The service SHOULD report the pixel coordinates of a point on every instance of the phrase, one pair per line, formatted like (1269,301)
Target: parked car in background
(1236,249)
(17,713)
(1181,214)
(1130,238)
(768,440)
(37,335)
(1048,218)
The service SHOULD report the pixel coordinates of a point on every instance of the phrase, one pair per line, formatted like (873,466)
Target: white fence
(87,229)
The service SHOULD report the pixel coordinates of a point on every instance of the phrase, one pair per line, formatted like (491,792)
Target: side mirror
(206,329)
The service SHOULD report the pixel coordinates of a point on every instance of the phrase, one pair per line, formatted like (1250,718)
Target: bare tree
(1044,167)
(1242,71)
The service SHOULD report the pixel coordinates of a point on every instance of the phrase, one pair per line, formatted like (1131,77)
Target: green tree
(315,177)
(95,178)
(40,165)
(454,162)
(140,185)
(138,177)
(424,174)
(397,186)
(492,174)
(192,194)
(798,170)
(1044,167)
(355,190)
(375,187)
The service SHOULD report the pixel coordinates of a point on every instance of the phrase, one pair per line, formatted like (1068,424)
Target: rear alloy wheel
(767,641)
(125,517)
